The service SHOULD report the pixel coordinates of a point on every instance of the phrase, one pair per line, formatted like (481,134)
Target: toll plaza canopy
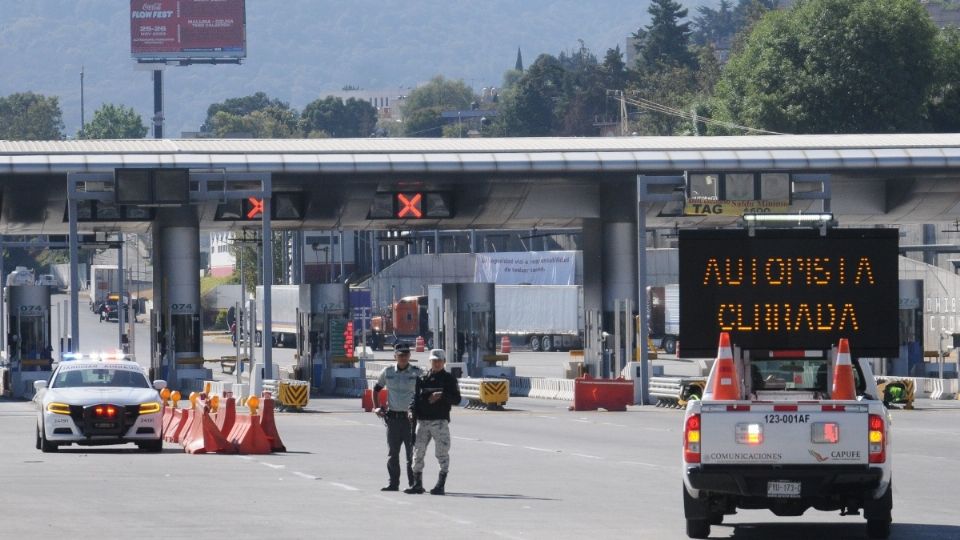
(490,183)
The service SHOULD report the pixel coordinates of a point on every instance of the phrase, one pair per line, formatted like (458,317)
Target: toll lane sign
(713,207)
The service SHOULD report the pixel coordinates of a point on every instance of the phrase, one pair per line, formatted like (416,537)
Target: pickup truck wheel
(669,345)
(698,528)
(878,528)
(878,516)
(535,343)
(546,344)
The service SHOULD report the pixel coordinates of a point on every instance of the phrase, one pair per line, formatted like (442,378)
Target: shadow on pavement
(498,496)
(835,531)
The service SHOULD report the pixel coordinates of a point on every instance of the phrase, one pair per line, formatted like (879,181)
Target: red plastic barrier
(165,420)
(204,436)
(590,394)
(366,401)
(249,436)
(178,424)
(269,426)
(226,416)
(188,418)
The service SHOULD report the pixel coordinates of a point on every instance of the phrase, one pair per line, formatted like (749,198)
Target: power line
(664,109)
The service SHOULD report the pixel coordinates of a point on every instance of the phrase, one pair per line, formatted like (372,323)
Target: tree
(242,106)
(943,111)
(335,118)
(270,123)
(833,66)
(424,105)
(114,122)
(666,40)
(30,117)
(711,26)
(527,108)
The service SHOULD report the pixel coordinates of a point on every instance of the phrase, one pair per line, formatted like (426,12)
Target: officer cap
(438,354)
(401,348)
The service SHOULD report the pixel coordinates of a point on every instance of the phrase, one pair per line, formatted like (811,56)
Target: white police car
(97,400)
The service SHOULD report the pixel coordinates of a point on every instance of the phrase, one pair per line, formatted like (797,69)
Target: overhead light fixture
(787,219)
(819,220)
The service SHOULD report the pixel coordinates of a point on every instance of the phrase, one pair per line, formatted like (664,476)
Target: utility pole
(83,120)
(624,123)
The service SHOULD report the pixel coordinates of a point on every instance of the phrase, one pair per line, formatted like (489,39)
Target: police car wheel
(698,528)
(46,446)
(151,446)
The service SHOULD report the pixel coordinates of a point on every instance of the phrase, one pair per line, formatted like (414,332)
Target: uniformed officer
(400,382)
(435,393)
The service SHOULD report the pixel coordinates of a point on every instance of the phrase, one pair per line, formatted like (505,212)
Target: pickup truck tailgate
(822,433)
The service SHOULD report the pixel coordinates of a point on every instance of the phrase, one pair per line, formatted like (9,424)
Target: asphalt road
(533,471)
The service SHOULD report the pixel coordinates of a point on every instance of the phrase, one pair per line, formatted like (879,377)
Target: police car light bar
(97,356)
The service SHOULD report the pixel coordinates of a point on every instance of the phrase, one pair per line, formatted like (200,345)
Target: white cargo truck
(286,302)
(544,317)
(663,304)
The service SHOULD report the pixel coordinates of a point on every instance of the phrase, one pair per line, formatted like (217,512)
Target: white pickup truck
(787,447)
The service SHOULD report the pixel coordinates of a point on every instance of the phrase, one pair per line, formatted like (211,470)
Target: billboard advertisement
(187,29)
(789,289)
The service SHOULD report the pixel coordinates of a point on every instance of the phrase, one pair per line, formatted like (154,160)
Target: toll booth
(28,340)
(462,316)
(324,349)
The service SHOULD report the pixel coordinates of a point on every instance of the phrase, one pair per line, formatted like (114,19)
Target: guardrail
(675,392)
(491,394)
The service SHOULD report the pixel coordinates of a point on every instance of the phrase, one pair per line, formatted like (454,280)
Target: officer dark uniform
(436,392)
(400,382)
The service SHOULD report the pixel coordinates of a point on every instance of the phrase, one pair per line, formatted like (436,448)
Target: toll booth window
(775,186)
(704,186)
(739,187)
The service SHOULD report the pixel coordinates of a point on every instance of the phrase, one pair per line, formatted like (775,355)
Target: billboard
(187,29)
(789,290)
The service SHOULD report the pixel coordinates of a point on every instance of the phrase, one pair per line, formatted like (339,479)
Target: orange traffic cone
(724,383)
(843,384)
(505,345)
(421,345)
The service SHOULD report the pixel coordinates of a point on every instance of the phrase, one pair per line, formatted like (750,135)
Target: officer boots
(438,489)
(394,485)
(417,487)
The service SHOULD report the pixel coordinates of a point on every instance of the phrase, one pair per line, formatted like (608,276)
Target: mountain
(298,50)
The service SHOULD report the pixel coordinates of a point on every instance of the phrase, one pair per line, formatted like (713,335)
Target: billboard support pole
(158,104)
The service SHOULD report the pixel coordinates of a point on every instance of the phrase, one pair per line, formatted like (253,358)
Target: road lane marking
(391,500)
(614,425)
(588,456)
(344,486)
(247,458)
(642,464)
(466,438)
(536,449)
(495,443)
(451,518)
(547,417)
(271,465)
(306,476)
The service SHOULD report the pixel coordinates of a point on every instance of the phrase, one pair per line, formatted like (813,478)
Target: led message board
(789,289)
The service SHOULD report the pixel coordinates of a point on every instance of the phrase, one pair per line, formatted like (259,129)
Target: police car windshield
(100,377)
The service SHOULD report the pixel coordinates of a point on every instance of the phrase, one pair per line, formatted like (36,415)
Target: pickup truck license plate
(782,490)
